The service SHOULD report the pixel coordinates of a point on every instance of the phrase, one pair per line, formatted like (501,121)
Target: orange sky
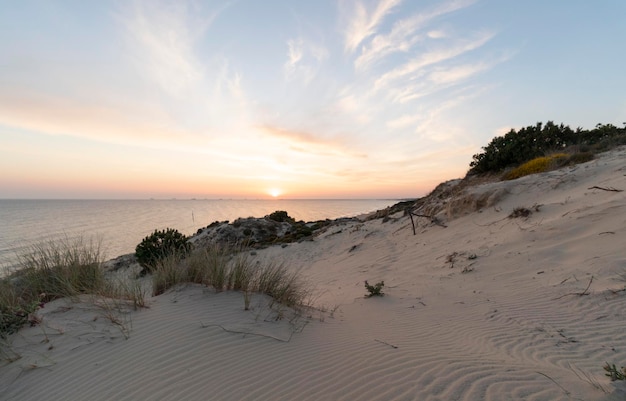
(324,99)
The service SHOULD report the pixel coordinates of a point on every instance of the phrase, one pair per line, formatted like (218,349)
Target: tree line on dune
(525,144)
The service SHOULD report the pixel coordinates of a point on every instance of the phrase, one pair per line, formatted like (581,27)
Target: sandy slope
(487,308)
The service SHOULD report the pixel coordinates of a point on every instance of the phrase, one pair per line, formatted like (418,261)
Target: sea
(119,225)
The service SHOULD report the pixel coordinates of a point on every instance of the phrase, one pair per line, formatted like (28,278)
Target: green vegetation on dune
(532,142)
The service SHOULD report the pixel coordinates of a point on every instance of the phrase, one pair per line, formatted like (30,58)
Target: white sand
(488,308)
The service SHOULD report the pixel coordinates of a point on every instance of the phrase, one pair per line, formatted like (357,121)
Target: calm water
(122,224)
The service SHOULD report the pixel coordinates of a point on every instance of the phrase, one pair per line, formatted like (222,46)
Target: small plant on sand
(159,245)
(614,373)
(523,212)
(374,290)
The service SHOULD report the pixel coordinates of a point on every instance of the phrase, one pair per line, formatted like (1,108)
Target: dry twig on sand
(249,333)
(611,189)
(554,381)
(580,294)
(386,343)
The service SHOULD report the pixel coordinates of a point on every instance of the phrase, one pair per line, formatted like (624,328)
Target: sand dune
(487,308)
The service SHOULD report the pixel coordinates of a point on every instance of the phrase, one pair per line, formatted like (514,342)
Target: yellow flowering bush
(537,165)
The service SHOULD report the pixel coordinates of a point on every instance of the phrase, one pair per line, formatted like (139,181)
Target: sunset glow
(318,99)
(275,192)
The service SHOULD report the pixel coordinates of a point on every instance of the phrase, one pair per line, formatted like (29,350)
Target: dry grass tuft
(58,269)
(232,269)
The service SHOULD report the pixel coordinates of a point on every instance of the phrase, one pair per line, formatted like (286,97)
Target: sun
(274,192)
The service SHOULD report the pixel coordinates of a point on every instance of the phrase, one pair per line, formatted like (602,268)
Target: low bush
(374,290)
(280,216)
(159,245)
(519,146)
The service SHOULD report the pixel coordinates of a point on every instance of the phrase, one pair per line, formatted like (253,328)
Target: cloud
(99,121)
(403,34)
(458,73)
(414,68)
(304,60)
(162,38)
(363,22)
(403,121)
(306,142)
(295,53)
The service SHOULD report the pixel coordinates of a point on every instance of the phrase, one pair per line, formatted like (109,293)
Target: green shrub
(280,216)
(374,290)
(517,147)
(159,245)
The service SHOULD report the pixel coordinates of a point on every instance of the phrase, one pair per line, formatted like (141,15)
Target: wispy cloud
(457,73)
(295,53)
(405,33)
(307,142)
(162,37)
(414,68)
(304,60)
(100,121)
(362,21)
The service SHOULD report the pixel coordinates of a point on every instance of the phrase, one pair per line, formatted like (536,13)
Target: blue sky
(301,99)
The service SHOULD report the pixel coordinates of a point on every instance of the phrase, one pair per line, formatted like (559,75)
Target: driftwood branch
(412,222)
(611,189)
(433,219)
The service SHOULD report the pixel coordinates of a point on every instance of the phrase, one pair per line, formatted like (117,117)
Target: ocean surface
(121,224)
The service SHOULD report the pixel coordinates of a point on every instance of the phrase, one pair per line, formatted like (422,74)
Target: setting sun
(274,192)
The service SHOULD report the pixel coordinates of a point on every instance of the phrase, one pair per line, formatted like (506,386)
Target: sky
(295,99)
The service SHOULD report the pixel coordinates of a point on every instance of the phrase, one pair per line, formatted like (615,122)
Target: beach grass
(64,268)
(69,268)
(232,269)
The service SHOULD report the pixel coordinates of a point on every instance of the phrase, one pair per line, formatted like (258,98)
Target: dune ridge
(488,307)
